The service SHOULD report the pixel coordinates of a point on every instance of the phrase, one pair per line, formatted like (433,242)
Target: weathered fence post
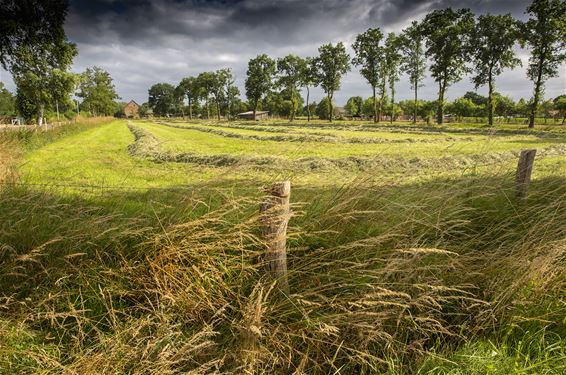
(523,175)
(275,214)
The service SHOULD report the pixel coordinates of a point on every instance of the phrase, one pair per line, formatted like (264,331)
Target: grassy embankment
(424,264)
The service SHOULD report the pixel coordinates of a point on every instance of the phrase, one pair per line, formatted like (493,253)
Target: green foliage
(97,91)
(31,24)
(43,78)
(446,32)
(331,64)
(259,80)
(188,88)
(292,70)
(162,99)
(463,107)
(354,106)
(323,109)
(7,102)
(370,58)
(413,63)
(491,48)
(545,34)
(392,62)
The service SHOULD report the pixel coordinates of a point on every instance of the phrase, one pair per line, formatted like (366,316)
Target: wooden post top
(280,189)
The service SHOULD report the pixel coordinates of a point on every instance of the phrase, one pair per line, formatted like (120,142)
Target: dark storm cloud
(141,42)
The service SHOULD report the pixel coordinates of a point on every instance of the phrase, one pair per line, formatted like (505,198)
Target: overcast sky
(142,42)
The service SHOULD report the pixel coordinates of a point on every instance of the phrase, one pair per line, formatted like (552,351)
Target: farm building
(132,110)
(259,115)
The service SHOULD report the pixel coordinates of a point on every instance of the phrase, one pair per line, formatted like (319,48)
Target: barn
(132,110)
(259,115)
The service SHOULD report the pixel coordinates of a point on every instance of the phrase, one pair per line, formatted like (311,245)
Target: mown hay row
(413,129)
(148,146)
(301,137)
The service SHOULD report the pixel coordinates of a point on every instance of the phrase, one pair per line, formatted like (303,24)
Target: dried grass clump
(379,278)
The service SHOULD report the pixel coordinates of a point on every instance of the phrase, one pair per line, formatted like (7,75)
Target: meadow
(135,247)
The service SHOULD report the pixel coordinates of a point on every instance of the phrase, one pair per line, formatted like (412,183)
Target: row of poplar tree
(451,43)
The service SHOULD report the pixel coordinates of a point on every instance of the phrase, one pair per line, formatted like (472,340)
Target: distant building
(132,110)
(259,115)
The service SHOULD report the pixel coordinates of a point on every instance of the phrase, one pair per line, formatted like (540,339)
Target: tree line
(448,43)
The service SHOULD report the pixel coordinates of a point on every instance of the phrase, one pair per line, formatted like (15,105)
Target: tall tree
(97,91)
(162,99)
(43,78)
(220,79)
(392,63)
(205,83)
(259,81)
(309,79)
(189,87)
(446,32)
(232,99)
(545,34)
(370,58)
(331,64)
(291,69)
(491,48)
(411,45)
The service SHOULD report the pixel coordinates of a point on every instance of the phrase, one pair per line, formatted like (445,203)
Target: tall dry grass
(380,278)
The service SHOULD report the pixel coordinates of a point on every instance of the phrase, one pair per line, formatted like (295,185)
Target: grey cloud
(141,42)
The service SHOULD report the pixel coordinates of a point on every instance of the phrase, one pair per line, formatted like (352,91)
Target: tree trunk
(490,99)
(440,108)
(40,116)
(218,109)
(392,104)
(416,101)
(329,96)
(293,107)
(207,108)
(255,110)
(308,108)
(190,109)
(536,98)
(57,107)
(374,106)
(382,98)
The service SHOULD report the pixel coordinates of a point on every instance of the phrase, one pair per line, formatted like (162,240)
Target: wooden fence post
(523,175)
(275,214)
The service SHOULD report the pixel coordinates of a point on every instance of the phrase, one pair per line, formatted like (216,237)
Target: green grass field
(136,247)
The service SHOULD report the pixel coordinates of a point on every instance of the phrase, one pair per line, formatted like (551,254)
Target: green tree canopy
(392,63)
(291,70)
(545,34)
(7,102)
(162,99)
(97,91)
(354,106)
(259,80)
(370,58)
(491,48)
(309,79)
(188,87)
(413,64)
(446,33)
(331,64)
(32,25)
(43,79)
